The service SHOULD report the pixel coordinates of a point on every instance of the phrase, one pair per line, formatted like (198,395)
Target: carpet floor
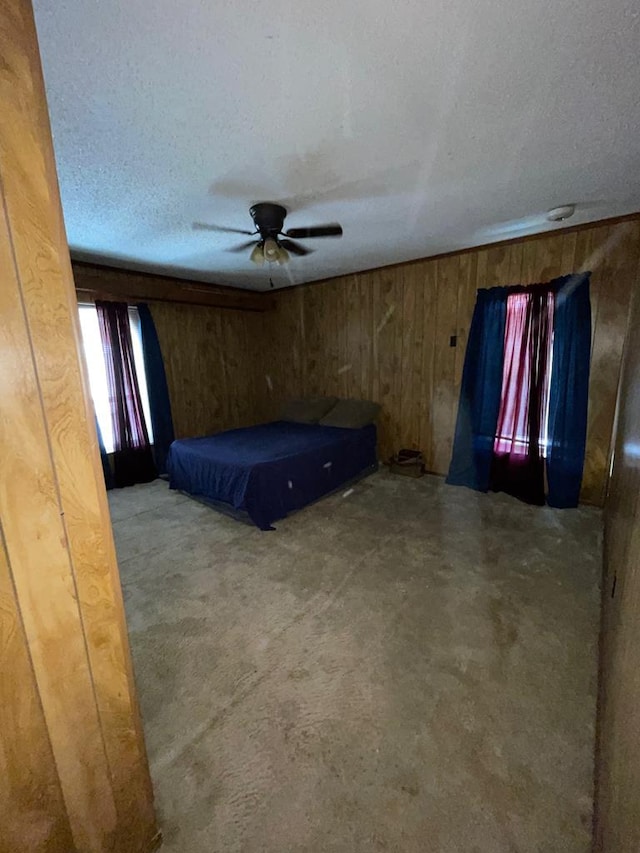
(406,667)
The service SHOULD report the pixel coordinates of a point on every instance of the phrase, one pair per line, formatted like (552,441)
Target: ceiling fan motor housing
(268,218)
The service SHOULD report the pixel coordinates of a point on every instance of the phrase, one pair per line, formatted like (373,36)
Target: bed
(269,470)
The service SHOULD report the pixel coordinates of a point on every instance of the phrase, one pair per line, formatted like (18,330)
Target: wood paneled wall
(73,768)
(213,363)
(618,759)
(212,349)
(101,282)
(385,335)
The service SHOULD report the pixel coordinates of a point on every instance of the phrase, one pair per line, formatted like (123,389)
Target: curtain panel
(519,377)
(569,393)
(480,393)
(518,463)
(159,402)
(104,459)
(132,458)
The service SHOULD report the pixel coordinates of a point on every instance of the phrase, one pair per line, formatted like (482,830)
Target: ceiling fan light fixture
(271,250)
(257,256)
(269,242)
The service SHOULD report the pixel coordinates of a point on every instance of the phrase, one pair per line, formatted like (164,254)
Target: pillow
(351,414)
(307,411)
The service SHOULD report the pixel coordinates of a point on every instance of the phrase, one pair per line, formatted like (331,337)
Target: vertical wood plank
(376,387)
(548,258)
(595,249)
(483,276)
(340,336)
(429,314)
(568,253)
(444,402)
(515,263)
(415,366)
(397,320)
(354,319)
(385,308)
(324,320)
(235,379)
(529,261)
(407,437)
(314,354)
(498,266)
(258,405)
(618,270)
(466,304)
(303,342)
(32,812)
(331,340)
(366,338)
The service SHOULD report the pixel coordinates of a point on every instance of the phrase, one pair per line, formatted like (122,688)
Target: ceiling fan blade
(204,226)
(294,248)
(333,230)
(242,246)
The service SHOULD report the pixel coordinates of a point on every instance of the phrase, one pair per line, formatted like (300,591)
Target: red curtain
(518,452)
(133,460)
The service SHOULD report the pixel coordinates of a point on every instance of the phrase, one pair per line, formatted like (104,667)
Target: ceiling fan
(270,242)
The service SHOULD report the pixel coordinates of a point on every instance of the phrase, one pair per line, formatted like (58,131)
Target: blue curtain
(480,393)
(159,403)
(106,467)
(569,390)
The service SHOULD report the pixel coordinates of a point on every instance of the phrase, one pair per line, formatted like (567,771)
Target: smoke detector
(559,214)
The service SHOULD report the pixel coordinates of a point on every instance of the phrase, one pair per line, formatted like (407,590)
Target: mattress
(271,469)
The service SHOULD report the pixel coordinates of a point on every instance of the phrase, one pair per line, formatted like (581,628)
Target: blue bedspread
(271,469)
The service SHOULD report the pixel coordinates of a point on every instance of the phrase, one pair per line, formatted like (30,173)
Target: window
(528,358)
(92,345)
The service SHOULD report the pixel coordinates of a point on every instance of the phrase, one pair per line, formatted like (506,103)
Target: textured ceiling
(421,126)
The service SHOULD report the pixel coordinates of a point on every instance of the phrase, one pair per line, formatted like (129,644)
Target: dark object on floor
(271,469)
(409,463)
